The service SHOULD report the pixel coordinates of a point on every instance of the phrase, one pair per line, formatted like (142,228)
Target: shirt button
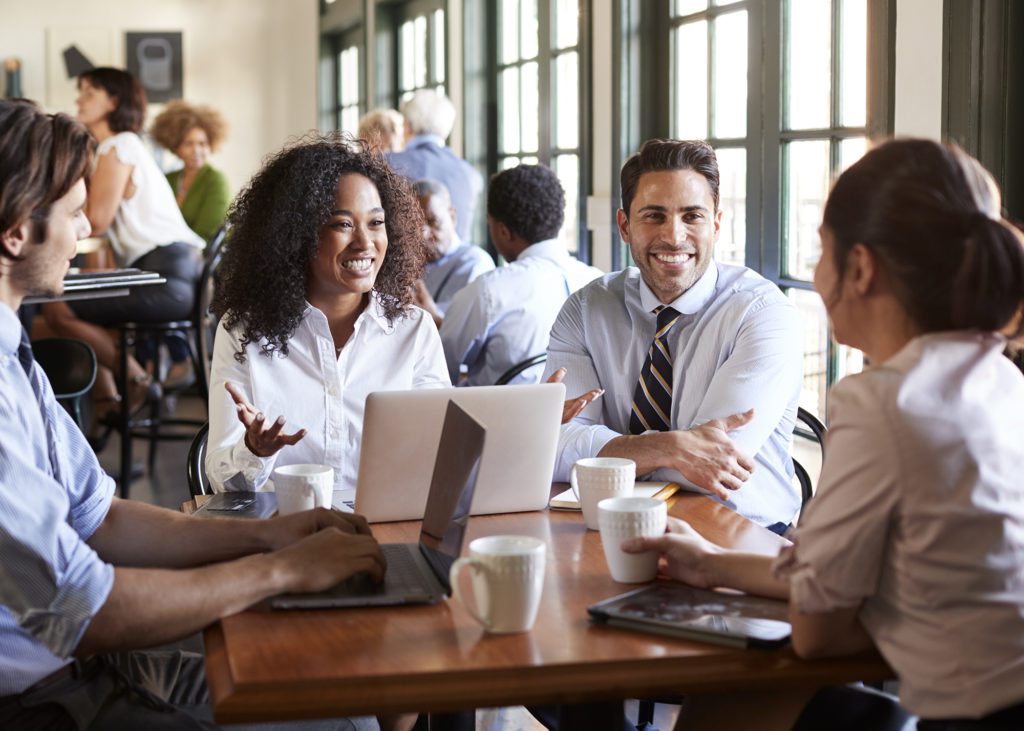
(334,433)
(332,391)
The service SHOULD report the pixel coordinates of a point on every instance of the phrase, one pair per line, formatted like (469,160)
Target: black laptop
(417,573)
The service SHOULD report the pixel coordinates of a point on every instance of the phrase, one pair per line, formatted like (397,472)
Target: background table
(264,665)
(82,284)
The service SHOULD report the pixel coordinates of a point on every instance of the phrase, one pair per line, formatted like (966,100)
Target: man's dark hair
(41,157)
(529,200)
(658,155)
(128,95)
(275,227)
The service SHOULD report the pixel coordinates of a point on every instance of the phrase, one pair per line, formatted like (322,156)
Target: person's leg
(767,710)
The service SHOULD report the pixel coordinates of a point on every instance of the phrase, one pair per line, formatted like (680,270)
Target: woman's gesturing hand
(261,439)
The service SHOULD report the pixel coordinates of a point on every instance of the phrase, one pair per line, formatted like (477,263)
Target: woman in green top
(192,132)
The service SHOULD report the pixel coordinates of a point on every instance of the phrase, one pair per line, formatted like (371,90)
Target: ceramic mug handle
(454,577)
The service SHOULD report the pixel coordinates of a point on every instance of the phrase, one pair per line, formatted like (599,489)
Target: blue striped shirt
(53,496)
(738,345)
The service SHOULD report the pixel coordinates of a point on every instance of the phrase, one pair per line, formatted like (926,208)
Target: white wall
(918,68)
(255,60)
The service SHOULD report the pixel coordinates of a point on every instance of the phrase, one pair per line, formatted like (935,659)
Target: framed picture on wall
(155,60)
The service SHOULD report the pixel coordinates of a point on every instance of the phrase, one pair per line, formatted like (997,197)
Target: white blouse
(316,389)
(920,517)
(150,217)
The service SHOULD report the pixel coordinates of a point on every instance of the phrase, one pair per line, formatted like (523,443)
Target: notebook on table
(677,610)
(566,500)
(417,573)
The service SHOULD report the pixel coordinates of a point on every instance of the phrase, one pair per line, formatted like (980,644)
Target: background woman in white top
(914,542)
(132,203)
(316,300)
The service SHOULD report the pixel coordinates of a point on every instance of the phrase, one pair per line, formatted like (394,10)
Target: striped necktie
(652,399)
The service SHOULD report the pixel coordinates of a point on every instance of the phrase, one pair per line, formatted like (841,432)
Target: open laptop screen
(451,490)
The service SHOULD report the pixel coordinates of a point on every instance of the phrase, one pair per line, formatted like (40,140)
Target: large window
(341,81)
(421,53)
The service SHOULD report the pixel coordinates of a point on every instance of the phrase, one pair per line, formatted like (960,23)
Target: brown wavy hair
(128,95)
(275,225)
(179,118)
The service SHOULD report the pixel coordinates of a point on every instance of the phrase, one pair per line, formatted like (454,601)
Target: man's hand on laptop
(574,407)
(288,529)
(262,439)
(326,558)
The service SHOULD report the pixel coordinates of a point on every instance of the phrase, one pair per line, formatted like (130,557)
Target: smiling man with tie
(701,362)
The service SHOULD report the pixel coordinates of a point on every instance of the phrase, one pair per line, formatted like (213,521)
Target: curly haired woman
(316,301)
(192,132)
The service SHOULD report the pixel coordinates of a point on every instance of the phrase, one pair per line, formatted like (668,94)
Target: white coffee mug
(508,577)
(596,478)
(622,518)
(303,487)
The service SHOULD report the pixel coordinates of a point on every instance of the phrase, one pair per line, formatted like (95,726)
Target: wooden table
(83,284)
(306,664)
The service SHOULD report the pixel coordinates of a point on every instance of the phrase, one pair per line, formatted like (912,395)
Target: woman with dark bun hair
(131,202)
(913,543)
(316,298)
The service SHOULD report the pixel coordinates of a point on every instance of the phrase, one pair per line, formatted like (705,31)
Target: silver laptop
(417,573)
(401,430)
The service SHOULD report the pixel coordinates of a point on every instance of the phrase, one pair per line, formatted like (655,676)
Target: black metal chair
(519,368)
(70,365)
(808,427)
(155,426)
(195,465)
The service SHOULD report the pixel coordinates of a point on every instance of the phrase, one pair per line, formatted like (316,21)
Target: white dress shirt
(317,389)
(445,277)
(503,317)
(919,518)
(737,345)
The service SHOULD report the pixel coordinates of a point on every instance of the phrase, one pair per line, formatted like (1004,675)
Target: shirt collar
(374,312)
(425,139)
(456,245)
(548,249)
(10,330)
(689,302)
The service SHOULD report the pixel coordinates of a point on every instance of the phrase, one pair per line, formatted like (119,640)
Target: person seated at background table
(131,202)
(316,299)
(382,129)
(429,119)
(913,541)
(503,317)
(193,132)
(451,263)
(89,579)
(701,362)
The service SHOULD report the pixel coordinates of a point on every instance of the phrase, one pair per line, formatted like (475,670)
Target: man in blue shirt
(503,317)
(701,363)
(85,574)
(451,263)
(429,119)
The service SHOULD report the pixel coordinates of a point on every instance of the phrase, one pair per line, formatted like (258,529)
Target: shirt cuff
(579,441)
(246,471)
(807,592)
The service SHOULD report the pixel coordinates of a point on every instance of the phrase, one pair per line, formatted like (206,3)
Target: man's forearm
(139,535)
(649,451)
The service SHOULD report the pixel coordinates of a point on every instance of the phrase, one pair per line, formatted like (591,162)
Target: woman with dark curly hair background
(316,300)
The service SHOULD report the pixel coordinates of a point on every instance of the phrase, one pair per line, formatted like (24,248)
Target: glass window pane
(406,53)
(439,59)
(420,58)
(815,323)
(691,87)
(851,150)
(529,86)
(853,89)
(725,2)
(808,41)
(685,7)
(530,160)
(350,120)
(850,361)
(527,28)
(732,200)
(509,95)
(566,101)
(567,23)
(348,76)
(509,162)
(806,170)
(567,168)
(730,75)
(509,31)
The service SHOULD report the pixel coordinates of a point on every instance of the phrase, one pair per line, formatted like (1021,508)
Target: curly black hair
(529,200)
(275,227)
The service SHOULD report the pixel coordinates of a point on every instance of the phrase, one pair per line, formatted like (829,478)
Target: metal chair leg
(126,432)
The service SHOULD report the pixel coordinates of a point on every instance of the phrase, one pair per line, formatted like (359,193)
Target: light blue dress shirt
(503,317)
(453,271)
(426,156)
(53,496)
(738,345)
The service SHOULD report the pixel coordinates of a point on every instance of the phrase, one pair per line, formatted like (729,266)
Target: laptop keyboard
(404,573)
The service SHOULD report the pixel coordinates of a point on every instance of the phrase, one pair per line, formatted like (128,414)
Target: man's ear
(623,223)
(861,269)
(717,222)
(15,240)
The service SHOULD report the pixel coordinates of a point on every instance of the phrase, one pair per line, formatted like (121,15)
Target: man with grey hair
(451,262)
(429,119)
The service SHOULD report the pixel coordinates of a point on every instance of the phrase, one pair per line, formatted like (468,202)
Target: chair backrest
(70,365)
(810,429)
(205,321)
(195,465)
(519,368)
